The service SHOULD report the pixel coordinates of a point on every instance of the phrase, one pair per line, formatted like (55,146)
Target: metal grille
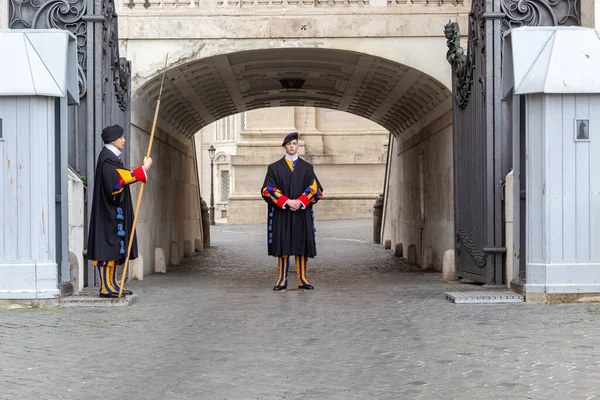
(224,185)
(473,140)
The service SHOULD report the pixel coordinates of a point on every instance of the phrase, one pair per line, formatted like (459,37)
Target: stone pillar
(205,223)
(187,248)
(160,261)
(377,214)
(136,269)
(398,250)
(412,254)
(449,266)
(427,262)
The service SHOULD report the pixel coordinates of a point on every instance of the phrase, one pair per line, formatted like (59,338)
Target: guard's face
(119,143)
(291,148)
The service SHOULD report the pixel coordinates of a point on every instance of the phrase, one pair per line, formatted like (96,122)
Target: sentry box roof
(551,60)
(39,62)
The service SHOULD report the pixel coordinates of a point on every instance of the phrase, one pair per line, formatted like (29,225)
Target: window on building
(224,185)
(224,129)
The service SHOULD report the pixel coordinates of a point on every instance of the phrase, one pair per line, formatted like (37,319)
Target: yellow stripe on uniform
(278,283)
(126,175)
(298,273)
(290,164)
(303,269)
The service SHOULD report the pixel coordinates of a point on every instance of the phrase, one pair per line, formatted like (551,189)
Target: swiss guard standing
(290,189)
(112,211)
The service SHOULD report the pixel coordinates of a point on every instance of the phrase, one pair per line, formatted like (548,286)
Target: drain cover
(484,296)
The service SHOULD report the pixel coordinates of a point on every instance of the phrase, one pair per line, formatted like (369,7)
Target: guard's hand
(147,163)
(295,205)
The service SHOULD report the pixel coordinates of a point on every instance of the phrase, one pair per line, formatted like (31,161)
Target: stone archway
(412,105)
(199,92)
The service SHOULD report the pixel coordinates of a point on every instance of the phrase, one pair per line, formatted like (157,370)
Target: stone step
(485,296)
(92,300)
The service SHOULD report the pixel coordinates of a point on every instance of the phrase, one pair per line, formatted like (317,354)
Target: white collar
(112,148)
(291,158)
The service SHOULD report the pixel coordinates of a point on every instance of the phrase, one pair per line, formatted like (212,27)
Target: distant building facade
(349,154)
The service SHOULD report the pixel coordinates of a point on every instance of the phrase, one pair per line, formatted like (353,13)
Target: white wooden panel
(47,185)
(23,183)
(535,181)
(38,122)
(10,186)
(554,177)
(569,180)
(595,177)
(3,116)
(17,71)
(582,168)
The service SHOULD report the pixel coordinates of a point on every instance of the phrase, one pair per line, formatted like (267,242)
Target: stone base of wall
(28,304)
(253,210)
(28,280)
(556,298)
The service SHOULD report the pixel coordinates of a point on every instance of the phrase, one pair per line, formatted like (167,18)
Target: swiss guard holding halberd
(291,188)
(112,211)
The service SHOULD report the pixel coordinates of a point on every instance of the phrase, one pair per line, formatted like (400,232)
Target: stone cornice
(176,25)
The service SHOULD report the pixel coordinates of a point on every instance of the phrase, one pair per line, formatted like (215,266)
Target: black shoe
(127,292)
(277,287)
(109,295)
(307,287)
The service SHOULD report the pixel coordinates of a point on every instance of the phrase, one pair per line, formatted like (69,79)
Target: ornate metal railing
(540,13)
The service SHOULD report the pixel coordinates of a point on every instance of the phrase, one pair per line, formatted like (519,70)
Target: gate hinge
(500,250)
(93,18)
(493,15)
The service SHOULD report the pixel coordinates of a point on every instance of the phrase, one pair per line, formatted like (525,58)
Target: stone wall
(420,204)
(170,211)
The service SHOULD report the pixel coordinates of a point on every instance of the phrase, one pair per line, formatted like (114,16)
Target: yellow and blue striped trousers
(108,276)
(301,270)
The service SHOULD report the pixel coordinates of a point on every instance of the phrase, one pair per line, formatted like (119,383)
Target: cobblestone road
(374,328)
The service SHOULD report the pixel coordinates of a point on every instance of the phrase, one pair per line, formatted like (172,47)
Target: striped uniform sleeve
(127,177)
(312,194)
(272,194)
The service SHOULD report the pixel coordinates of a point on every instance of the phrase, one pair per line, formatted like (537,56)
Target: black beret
(290,137)
(111,133)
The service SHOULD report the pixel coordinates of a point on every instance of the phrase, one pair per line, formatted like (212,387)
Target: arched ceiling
(200,92)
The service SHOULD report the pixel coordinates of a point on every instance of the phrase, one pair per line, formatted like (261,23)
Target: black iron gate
(482,139)
(104,77)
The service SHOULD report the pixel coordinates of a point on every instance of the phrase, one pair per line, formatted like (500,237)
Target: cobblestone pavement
(374,328)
